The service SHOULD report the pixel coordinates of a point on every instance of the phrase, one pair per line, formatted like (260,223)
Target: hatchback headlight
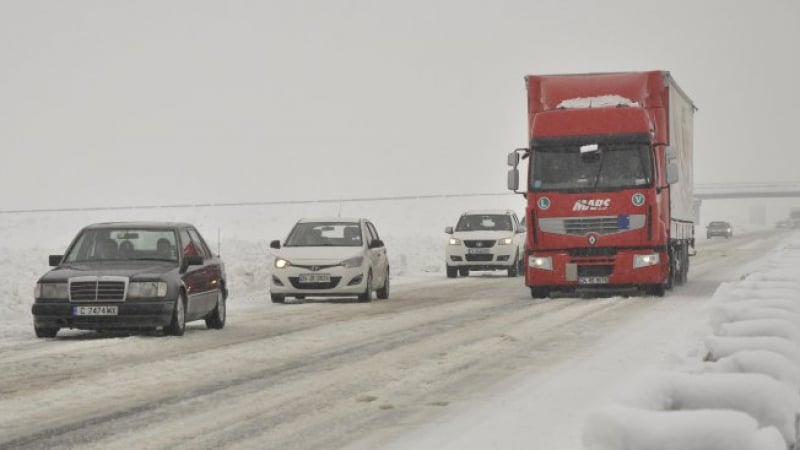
(505,241)
(540,262)
(454,241)
(281,263)
(55,291)
(353,262)
(147,289)
(645,260)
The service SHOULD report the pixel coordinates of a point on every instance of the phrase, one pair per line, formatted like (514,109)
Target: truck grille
(595,271)
(479,244)
(91,289)
(580,226)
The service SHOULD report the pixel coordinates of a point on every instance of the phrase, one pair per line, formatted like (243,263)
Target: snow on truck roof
(602,101)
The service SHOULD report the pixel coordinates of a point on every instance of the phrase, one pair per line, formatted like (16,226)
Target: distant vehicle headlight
(645,260)
(540,262)
(355,261)
(147,289)
(55,291)
(281,263)
(454,241)
(505,241)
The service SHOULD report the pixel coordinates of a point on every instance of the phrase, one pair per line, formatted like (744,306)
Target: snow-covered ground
(710,366)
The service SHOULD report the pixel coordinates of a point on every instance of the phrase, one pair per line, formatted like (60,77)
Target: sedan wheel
(177,325)
(216,320)
(45,332)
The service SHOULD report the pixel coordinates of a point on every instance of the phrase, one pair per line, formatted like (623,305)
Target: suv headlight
(454,241)
(645,260)
(147,289)
(55,291)
(505,241)
(540,262)
(353,262)
(281,263)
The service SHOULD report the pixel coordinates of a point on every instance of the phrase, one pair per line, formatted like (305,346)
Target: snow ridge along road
(325,374)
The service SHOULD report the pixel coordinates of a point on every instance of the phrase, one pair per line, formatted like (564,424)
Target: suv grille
(479,244)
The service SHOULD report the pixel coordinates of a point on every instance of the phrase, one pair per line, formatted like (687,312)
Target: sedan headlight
(281,263)
(540,262)
(505,241)
(147,289)
(454,241)
(55,291)
(645,260)
(355,261)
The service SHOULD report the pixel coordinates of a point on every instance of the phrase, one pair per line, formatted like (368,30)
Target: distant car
(719,228)
(132,275)
(784,223)
(485,240)
(332,258)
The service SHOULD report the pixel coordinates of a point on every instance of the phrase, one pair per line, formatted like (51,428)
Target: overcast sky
(151,102)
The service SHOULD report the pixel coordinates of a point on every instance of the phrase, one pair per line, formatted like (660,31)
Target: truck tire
(539,292)
(452,272)
(655,290)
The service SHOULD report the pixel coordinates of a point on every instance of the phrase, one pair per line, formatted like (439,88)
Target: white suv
(485,240)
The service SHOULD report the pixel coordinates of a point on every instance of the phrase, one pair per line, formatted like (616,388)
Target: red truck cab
(609,183)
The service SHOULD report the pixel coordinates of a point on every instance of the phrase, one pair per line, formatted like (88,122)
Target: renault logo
(592,239)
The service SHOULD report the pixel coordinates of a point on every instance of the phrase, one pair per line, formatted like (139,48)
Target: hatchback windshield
(325,234)
(481,222)
(104,244)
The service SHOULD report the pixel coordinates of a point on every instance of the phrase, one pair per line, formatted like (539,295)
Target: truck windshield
(613,166)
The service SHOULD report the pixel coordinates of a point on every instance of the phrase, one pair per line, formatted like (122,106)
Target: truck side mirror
(513,159)
(513,179)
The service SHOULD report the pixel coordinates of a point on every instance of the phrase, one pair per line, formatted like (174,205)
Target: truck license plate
(104,310)
(593,280)
(315,278)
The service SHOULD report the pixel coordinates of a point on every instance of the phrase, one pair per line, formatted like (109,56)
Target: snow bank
(625,428)
(745,394)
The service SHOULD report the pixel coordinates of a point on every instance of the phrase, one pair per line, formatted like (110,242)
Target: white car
(330,257)
(485,240)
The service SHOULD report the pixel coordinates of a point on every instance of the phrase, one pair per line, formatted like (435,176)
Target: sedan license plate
(315,278)
(104,310)
(478,251)
(593,280)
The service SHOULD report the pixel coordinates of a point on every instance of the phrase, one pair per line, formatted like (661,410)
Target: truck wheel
(452,272)
(539,292)
(655,290)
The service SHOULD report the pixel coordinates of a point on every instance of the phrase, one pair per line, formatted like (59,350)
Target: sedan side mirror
(376,243)
(55,260)
(275,244)
(448,230)
(194,260)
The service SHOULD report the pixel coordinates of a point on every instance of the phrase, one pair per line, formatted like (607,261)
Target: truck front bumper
(618,269)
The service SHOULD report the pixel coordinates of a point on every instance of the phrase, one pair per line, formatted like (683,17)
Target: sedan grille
(91,289)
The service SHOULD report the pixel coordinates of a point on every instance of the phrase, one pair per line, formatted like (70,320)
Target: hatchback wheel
(383,293)
(367,295)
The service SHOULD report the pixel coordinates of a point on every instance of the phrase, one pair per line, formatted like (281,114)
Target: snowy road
(337,374)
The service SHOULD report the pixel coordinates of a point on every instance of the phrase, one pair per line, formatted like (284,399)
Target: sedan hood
(129,269)
(318,255)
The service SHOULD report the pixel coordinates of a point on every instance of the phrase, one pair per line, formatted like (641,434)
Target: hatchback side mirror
(376,243)
(55,260)
(275,244)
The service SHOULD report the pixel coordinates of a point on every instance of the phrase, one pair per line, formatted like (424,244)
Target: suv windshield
(116,244)
(325,234)
(611,167)
(481,222)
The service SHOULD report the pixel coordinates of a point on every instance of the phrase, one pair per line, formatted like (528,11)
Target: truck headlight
(281,263)
(505,241)
(454,241)
(645,260)
(540,262)
(355,261)
(55,291)
(147,289)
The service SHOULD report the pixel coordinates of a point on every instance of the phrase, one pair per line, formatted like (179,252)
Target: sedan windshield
(119,244)
(325,234)
(609,167)
(482,222)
